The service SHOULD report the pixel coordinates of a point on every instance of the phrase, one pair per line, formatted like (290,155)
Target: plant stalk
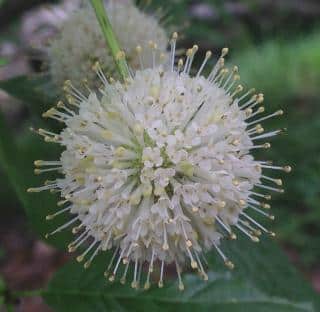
(111,40)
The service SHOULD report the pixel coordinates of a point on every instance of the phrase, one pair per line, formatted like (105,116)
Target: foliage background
(276,45)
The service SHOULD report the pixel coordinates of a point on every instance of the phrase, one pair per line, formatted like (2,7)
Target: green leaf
(17,162)
(35,92)
(263,281)
(2,291)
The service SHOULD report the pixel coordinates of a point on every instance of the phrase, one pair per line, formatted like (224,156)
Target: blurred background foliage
(276,45)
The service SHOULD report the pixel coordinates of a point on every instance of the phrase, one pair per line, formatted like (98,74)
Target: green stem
(110,38)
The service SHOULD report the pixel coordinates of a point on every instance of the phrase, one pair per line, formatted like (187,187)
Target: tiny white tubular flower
(160,168)
(80,43)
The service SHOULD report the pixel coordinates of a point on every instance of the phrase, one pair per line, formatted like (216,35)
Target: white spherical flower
(80,43)
(160,168)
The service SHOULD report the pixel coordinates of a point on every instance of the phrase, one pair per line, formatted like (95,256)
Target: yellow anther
(271,217)
(195,48)
(96,66)
(235,182)
(260,130)
(255,239)
(248,111)
(208,54)
(260,98)
(147,285)
(194,264)
(175,36)
(87,264)
(224,52)
(266,145)
(236,77)
(38,162)
(80,258)
(229,264)
(195,209)
(239,88)
(287,169)
(32,190)
(72,249)
(180,63)
(181,286)
(233,236)
(60,104)
(189,52)
(165,246)
(265,206)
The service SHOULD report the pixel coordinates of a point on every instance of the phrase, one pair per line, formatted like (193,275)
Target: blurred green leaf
(17,163)
(263,280)
(288,73)
(35,92)
(2,291)
(3,61)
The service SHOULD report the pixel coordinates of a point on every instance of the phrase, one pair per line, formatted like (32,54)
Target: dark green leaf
(17,163)
(35,92)
(262,281)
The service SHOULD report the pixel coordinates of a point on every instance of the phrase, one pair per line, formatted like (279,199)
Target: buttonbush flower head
(81,43)
(160,169)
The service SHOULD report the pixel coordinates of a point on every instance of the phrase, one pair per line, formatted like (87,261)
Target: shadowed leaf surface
(263,280)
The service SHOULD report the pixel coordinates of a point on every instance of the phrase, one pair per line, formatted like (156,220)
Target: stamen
(207,57)
(134,283)
(123,278)
(106,273)
(160,283)
(277,113)
(261,212)
(72,244)
(252,237)
(270,188)
(50,217)
(256,223)
(202,271)
(173,43)
(227,262)
(181,285)
(139,51)
(81,257)
(62,227)
(276,181)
